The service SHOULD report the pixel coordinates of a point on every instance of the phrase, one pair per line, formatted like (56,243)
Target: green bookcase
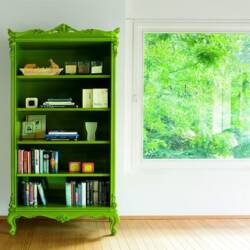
(63,44)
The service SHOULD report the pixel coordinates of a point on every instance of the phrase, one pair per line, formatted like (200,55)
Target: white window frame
(134,91)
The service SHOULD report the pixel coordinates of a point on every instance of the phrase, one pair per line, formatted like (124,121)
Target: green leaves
(196,87)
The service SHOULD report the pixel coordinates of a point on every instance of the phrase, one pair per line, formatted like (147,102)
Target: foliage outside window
(196,95)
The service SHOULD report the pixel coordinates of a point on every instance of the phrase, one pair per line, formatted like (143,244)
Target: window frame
(134,90)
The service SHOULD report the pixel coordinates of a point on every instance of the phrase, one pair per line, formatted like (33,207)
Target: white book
(42,195)
(35,194)
(100,98)
(68,194)
(37,157)
(87,98)
(83,194)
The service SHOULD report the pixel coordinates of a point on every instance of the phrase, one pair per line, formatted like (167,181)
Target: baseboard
(168,217)
(183,217)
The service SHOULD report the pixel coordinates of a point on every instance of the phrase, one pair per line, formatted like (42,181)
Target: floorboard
(148,234)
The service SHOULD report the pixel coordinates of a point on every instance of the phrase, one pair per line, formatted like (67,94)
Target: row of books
(37,161)
(59,103)
(30,191)
(89,193)
(55,135)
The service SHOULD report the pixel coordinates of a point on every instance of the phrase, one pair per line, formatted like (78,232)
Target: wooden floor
(189,234)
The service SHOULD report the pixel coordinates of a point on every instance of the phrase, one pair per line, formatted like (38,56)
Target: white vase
(91,130)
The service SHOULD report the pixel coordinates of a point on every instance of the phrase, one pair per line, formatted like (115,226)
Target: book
(95,193)
(59,99)
(35,195)
(42,194)
(100,98)
(87,98)
(41,170)
(25,162)
(37,158)
(20,161)
(31,194)
(29,162)
(83,194)
(68,194)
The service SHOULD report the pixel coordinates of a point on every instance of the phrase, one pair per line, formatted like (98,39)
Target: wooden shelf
(65,174)
(44,142)
(62,109)
(60,77)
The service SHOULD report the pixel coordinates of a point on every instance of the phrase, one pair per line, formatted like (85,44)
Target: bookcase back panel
(53,187)
(62,54)
(74,121)
(98,154)
(44,89)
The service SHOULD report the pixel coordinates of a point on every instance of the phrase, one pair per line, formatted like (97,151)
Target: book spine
(73,193)
(80,194)
(77,196)
(95,193)
(68,194)
(25,162)
(91,193)
(87,193)
(84,194)
(23,190)
(52,161)
(41,161)
(35,194)
(37,161)
(20,161)
(27,194)
(56,161)
(31,194)
(46,162)
(33,165)
(99,192)
(108,194)
(41,193)
(29,161)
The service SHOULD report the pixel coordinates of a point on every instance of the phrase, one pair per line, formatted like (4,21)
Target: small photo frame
(28,130)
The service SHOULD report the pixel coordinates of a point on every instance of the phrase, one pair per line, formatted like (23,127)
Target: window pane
(196,95)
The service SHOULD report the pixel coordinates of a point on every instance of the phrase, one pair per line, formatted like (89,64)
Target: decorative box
(74,167)
(88,167)
(70,68)
(96,67)
(84,67)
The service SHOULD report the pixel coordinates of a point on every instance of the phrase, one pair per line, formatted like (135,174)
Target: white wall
(211,188)
(172,192)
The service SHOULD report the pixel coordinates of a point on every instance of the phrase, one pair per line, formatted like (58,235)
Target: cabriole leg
(114,221)
(12,222)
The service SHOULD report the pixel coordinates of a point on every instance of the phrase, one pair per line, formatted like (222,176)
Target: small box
(100,98)
(70,68)
(88,167)
(96,67)
(74,167)
(84,67)
(87,98)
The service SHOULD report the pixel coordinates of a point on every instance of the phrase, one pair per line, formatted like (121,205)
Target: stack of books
(57,135)
(30,191)
(89,193)
(59,103)
(38,161)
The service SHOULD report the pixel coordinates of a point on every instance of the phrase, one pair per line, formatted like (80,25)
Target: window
(191,86)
